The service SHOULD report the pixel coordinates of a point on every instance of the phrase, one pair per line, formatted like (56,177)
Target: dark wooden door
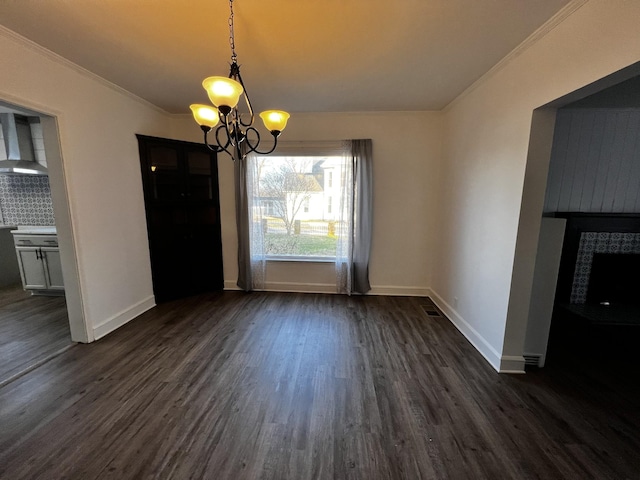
(180,181)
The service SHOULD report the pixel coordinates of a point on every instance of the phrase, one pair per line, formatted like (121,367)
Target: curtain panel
(356,224)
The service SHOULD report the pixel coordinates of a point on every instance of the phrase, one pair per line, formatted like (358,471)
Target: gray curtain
(245,281)
(361,151)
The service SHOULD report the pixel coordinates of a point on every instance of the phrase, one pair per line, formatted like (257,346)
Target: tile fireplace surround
(586,235)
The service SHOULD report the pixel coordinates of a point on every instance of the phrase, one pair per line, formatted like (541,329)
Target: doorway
(45,318)
(585,176)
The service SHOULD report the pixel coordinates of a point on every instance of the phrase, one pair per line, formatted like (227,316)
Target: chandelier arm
(247,101)
(206,130)
(227,126)
(254,148)
(223,147)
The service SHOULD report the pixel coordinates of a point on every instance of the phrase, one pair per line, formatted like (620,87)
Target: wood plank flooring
(303,386)
(31,329)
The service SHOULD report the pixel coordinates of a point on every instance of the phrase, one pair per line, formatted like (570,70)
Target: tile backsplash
(25,200)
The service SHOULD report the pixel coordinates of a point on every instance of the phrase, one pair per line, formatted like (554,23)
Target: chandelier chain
(232,42)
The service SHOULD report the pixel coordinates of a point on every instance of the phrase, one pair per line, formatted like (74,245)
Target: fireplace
(599,278)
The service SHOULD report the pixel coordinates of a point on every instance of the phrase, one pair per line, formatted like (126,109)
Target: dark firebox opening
(614,279)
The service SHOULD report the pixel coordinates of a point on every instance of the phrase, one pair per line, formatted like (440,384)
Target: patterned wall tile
(598,242)
(26,200)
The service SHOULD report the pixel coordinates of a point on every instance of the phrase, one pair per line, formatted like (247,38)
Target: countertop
(35,230)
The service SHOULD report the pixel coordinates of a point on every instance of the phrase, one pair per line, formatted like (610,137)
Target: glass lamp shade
(223,91)
(205,115)
(275,120)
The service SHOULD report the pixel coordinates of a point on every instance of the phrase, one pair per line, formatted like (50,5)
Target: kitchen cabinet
(180,183)
(39,263)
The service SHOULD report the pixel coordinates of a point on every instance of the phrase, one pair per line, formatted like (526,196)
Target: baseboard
(300,287)
(478,341)
(288,287)
(231,285)
(296,287)
(512,364)
(123,317)
(394,291)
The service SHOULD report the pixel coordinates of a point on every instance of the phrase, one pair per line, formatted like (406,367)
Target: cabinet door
(166,175)
(53,268)
(200,175)
(31,268)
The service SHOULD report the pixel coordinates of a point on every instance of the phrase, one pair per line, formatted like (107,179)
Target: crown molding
(565,12)
(60,60)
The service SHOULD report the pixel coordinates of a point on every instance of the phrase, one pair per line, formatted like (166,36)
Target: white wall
(100,166)
(483,178)
(407,151)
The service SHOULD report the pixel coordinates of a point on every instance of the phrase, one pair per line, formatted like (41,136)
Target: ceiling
(296,55)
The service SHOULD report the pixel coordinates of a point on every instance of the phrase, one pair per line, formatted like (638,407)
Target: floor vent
(431,311)
(532,359)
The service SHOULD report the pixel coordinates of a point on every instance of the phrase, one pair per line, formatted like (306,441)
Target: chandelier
(235,134)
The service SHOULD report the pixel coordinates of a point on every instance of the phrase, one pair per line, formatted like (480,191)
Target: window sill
(305,259)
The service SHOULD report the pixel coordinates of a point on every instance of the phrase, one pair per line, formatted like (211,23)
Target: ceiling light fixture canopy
(233,135)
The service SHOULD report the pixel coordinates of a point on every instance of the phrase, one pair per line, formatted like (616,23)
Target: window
(342,238)
(288,195)
(268,208)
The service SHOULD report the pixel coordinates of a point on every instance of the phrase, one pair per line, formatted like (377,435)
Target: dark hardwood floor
(32,328)
(301,386)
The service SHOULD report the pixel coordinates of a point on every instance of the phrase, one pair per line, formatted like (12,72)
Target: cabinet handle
(37,254)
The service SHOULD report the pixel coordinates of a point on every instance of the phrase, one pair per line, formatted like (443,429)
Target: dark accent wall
(25,200)
(595,162)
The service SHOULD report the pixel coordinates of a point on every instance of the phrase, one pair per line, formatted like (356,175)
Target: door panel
(54,268)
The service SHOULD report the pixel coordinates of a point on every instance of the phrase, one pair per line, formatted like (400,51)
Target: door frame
(51,125)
